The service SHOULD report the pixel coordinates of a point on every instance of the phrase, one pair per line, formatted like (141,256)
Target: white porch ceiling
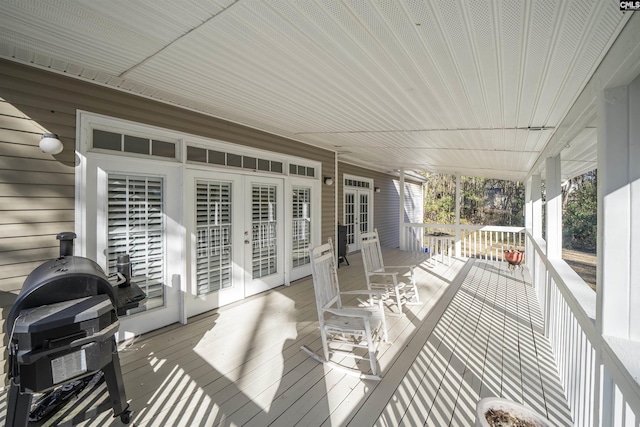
(434,85)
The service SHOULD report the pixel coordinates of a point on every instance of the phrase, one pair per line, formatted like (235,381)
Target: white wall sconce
(328,180)
(376,189)
(51,144)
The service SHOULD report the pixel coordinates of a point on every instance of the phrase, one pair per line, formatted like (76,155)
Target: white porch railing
(587,361)
(473,241)
(600,375)
(568,309)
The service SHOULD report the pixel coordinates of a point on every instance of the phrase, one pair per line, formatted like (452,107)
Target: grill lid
(61,279)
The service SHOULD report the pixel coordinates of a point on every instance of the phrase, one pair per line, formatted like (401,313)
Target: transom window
(123,143)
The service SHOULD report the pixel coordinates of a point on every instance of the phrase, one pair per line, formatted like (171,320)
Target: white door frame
(366,187)
(254,286)
(93,229)
(295,273)
(194,303)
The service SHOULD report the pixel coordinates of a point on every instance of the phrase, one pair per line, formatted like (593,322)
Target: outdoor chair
(385,278)
(347,333)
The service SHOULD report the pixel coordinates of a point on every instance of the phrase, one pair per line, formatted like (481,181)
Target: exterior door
(235,237)
(304,223)
(215,224)
(263,235)
(138,211)
(357,216)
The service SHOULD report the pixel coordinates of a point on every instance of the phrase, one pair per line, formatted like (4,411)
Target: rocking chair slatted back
(325,278)
(371,252)
(381,277)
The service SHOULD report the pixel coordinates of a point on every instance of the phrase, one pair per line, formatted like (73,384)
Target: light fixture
(328,180)
(51,144)
(377,189)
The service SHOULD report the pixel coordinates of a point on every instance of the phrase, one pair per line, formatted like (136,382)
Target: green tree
(483,201)
(580,208)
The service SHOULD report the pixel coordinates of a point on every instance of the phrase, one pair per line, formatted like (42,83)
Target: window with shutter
(213,228)
(136,226)
(264,226)
(301,234)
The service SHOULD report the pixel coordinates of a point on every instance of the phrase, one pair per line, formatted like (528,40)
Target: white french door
(357,215)
(138,211)
(213,219)
(235,237)
(304,230)
(263,234)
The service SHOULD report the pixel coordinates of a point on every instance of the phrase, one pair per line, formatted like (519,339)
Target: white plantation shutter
(301,225)
(264,226)
(136,226)
(213,228)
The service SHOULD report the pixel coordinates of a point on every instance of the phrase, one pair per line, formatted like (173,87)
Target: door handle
(246,241)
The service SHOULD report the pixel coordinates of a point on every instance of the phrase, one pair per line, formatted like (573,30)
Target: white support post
(528,222)
(618,274)
(403,237)
(553,217)
(536,206)
(528,207)
(457,244)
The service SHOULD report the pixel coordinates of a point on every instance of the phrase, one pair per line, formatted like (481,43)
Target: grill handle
(66,243)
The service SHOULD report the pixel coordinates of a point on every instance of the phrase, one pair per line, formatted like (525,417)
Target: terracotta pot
(515,409)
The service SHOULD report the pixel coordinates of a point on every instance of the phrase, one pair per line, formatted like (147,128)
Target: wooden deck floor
(477,334)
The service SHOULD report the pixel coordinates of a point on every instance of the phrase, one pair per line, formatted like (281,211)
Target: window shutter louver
(136,226)
(264,225)
(301,225)
(213,225)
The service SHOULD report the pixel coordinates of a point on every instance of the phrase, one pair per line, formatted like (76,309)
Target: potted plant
(514,257)
(498,412)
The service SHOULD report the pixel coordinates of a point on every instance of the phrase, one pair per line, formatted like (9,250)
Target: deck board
(478,333)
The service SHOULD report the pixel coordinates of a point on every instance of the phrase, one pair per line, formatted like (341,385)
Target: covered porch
(479,333)
(359,97)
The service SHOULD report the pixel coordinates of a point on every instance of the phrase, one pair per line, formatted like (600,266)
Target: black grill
(62,329)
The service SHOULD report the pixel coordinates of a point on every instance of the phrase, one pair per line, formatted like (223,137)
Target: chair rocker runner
(346,332)
(381,277)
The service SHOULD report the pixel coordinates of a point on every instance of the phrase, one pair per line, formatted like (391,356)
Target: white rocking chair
(385,278)
(345,331)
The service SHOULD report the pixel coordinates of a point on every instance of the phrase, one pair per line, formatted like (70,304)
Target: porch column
(553,217)
(403,245)
(536,206)
(528,205)
(528,222)
(457,228)
(618,275)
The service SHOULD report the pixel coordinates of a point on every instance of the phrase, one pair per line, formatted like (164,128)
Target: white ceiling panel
(425,84)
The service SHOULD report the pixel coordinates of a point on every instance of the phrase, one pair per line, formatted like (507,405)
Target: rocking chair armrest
(410,267)
(350,312)
(364,292)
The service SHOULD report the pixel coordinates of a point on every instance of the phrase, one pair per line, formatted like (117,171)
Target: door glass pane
(349,216)
(213,234)
(301,225)
(263,224)
(364,212)
(136,226)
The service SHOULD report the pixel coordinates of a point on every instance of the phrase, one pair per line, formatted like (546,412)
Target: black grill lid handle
(66,243)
